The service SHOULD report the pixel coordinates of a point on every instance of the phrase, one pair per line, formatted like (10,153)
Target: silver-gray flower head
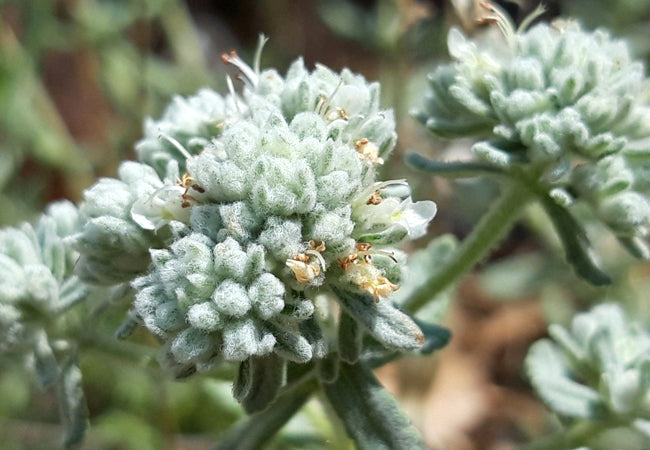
(36,281)
(38,318)
(244,208)
(598,369)
(564,105)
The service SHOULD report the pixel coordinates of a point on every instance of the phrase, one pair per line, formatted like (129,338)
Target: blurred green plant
(559,124)
(134,57)
(596,376)
(120,72)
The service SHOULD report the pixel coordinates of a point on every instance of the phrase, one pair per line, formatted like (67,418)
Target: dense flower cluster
(599,369)
(244,210)
(566,107)
(36,281)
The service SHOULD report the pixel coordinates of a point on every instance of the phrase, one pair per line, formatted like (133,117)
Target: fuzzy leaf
(546,368)
(328,368)
(267,375)
(451,169)
(370,414)
(435,338)
(576,245)
(636,246)
(242,384)
(47,368)
(72,403)
(385,322)
(350,338)
(71,292)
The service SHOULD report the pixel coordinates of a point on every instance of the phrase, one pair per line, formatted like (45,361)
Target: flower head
(36,279)
(227,259)
(598,369)
(558,105)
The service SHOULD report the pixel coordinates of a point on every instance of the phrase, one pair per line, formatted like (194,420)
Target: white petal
(417,217)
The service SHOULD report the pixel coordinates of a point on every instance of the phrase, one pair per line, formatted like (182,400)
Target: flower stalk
(492,227)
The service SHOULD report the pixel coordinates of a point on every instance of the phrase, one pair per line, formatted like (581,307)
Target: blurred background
(77,78)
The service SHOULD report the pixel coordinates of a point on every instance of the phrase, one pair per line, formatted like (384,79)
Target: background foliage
(77,78)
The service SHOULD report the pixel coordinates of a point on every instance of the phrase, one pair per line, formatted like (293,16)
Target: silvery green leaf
(350,338)
(45,363)
(381,319)
(561,197)
(21,245)
(312,331)
(472,102)
(577,247)
(576,354)
(71,292)
(292,346)
(546,369)
(602,347)
(327,368)
(623,389)
(636,246)
(53,249)
(493,155)
(12,280)
(128,326)
(72,402)
(435,336)
(192,345)
(371,415)
(374,354)
(244,380)
(451,169)
(42,287)
(266,375)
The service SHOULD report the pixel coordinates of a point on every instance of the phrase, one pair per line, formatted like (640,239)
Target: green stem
(257,429)
(371,416)
(492,227)
(184,38)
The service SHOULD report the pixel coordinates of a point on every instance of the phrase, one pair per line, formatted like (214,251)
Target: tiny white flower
(161,207)
(414,217)
(389,219)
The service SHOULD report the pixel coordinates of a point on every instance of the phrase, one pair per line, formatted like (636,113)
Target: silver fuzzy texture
(597,369)
(239,211)
(36,276)
(567,106)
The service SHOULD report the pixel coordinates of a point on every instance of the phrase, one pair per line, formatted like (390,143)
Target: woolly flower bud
(36,282)
(609,354)
(272,208)
(562,104)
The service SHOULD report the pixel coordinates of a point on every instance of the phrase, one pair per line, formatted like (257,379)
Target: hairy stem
(255,430)
(492,227)
(371,416)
